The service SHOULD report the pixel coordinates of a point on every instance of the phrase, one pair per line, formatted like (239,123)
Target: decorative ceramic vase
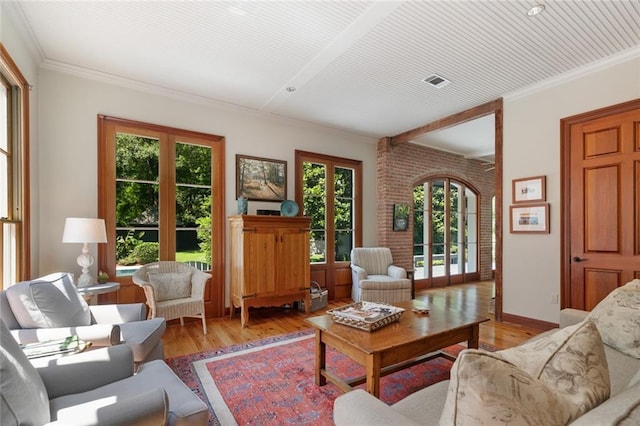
(243,204)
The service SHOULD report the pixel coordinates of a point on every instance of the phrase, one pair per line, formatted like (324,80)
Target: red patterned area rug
(271,381)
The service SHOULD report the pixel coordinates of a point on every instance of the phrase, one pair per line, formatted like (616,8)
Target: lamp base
(85,260)
(85,280)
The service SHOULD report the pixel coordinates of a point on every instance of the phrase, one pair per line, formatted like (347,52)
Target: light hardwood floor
(265,322)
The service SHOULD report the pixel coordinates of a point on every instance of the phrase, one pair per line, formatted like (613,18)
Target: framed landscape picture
(530,218)
(529,189)
(261,179)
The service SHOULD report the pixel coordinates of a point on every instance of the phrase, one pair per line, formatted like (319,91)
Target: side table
(92,291)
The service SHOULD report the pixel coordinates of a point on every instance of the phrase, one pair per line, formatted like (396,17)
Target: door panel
(602,225)
(601,192)
(599,283)
(291,276)
(260,247)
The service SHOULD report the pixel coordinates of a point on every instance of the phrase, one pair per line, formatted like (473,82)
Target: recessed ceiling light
(436,81)
(535,10)
(291,89)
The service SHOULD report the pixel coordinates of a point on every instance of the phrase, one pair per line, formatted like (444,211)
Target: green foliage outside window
(315,205)
(138,197)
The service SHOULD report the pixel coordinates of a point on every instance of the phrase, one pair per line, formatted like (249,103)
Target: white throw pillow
(47,302)
(617,317)
(485,389)
(171,285)
(571,362)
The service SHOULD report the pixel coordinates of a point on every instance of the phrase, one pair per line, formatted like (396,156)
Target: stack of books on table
(67,345)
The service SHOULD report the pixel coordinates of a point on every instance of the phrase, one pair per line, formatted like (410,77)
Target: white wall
(70,104)
(531,148)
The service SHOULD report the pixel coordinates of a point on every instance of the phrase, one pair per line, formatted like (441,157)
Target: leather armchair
(107,325)
(375,278)
(93,388)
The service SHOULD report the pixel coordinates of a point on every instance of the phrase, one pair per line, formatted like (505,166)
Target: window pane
(471,258)
(343,213)
(4,151)
(137,158)
(455,258)
(314,197)
(9,250)
(193,205)
(318,247)
(437,260)
(420,236)
(471,231)
(4,186)
(135,246)
(137,201)
(344,244)
(4,116)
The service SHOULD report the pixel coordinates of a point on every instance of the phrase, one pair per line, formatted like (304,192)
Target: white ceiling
(356,65)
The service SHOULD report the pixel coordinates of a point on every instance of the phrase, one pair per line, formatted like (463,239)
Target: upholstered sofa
(593,361)
(50,308)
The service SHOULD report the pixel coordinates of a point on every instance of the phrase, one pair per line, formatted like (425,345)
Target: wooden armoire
(269,263)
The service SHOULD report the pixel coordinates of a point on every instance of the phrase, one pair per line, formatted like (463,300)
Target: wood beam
(452,120)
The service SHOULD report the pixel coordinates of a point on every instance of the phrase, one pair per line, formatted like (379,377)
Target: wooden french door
(601,177)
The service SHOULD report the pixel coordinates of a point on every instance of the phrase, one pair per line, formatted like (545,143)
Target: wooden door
(602,235)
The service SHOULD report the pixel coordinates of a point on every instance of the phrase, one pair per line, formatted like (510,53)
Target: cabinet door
(259,261)
(293,260)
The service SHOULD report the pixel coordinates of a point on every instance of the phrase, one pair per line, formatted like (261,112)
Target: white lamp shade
(84,230)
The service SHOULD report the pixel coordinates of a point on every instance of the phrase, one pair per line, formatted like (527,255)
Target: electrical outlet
(554,298)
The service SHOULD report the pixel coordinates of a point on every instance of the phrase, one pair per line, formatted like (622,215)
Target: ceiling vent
(436,81)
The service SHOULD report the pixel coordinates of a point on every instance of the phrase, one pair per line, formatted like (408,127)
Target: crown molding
(23,29)
(178,95)
(609,61)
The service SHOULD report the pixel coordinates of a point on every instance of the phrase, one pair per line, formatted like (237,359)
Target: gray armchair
(50,308)
(375,278)
(93,388)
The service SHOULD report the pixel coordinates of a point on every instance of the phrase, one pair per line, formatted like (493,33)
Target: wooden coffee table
(413,339)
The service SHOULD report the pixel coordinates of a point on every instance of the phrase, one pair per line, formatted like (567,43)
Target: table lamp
(85,231)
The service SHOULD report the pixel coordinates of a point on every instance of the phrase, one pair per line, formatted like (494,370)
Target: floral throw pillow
(486,389)
(617,317)
(570,362)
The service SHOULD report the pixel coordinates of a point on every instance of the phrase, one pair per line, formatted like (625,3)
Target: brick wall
(400,168)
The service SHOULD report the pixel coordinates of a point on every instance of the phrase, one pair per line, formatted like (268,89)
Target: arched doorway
(446,237)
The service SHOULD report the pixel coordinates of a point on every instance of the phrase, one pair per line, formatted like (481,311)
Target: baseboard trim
(528,322)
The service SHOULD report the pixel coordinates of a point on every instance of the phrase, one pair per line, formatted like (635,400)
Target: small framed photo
(400,217)
(261,179)
(532,218)
(529,189)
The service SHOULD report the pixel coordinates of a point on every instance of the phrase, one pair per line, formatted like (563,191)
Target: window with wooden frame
(329,189)
(445,232)
(14,173)
(161,193)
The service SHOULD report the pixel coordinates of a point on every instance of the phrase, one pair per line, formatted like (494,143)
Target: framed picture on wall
(528,190)
(532,218)
(261,179)
(400,217)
